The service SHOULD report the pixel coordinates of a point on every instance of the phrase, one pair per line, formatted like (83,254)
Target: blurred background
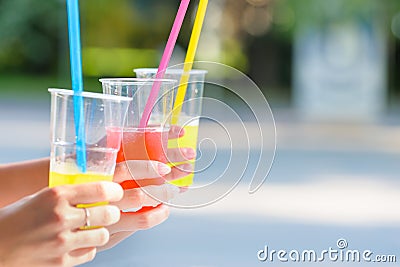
(330,71)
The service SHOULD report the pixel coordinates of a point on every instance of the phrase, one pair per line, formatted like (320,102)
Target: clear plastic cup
(149,143)
(189,117)
(102,114)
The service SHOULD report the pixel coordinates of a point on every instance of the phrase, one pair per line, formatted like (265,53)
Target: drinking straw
(193,43)
(164,62)
(77,82)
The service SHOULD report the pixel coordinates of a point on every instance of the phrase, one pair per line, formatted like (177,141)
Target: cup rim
(90,95)
(136,81)
(171,71)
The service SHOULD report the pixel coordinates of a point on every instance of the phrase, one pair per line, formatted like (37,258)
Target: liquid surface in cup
(64,170)
(68,173)
(57,179)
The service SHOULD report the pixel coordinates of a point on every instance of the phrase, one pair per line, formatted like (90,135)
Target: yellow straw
(194,40)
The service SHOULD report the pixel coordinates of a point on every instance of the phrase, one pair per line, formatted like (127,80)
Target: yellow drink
(70,175)
(57,179)
(188,140)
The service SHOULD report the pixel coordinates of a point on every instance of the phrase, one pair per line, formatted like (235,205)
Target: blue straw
(77,82)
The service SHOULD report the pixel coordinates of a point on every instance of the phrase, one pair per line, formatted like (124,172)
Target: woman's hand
(149,188)
(151,175)
(44,229)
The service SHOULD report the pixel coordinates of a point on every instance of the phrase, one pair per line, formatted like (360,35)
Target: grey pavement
(328,181)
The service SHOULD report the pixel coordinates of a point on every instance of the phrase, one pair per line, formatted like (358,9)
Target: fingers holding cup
(99,216)
(148,196)
(144,219)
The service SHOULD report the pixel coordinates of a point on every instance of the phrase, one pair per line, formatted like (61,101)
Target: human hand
(44,229)
(145,186)
(136,173)
(151,176)
(146,199)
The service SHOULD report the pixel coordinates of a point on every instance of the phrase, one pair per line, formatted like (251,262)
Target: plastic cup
(190,114)
(149,143)
(102,113)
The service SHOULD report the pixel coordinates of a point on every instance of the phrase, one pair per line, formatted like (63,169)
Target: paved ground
(328,181)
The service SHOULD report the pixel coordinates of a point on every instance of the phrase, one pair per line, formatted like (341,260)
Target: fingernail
(113,213)
(181,132)
(163,169)
(114,187)
(178,131)
(189,153)
(186,167)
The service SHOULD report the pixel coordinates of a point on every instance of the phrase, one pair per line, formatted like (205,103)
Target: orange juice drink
(101,112)
(61,178)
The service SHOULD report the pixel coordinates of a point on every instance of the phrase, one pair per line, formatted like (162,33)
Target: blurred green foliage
(294,13)
(29,34)
(33,34)
(126,23)
(119,35)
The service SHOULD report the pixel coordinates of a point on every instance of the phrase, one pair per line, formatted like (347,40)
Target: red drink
(142,144)
(147,144)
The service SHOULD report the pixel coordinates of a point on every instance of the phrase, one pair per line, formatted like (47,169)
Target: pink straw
(164,62)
